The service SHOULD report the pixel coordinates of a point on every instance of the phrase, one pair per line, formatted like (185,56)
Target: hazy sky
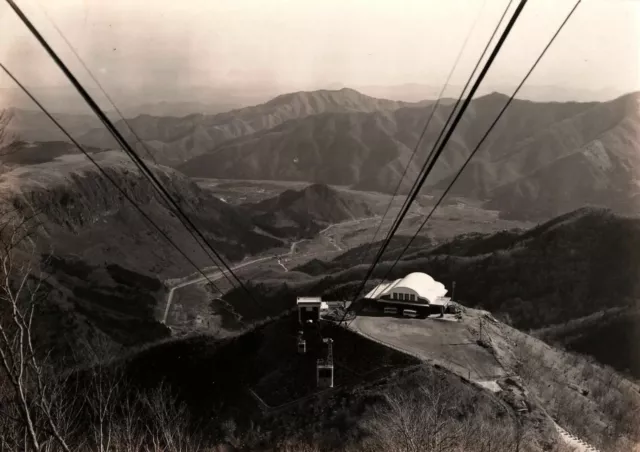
(158,46)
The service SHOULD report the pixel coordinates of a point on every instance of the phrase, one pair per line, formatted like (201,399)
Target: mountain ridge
(75,200)
(174,140)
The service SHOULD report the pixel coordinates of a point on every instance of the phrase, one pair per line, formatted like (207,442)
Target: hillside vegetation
(298,213)
(83,213)
(254,392)
(573,266)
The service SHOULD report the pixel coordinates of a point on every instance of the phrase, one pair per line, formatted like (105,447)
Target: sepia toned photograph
(320,225)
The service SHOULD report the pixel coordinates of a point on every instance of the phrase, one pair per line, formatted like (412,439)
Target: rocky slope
(175,140)
(305,212)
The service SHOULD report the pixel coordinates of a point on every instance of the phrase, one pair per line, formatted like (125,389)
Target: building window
(412,297)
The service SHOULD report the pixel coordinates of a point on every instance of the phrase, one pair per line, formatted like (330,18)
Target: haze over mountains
(414,92)
(343,137)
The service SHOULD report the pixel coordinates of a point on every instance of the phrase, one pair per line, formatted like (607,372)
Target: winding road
(210,276)
(215,275)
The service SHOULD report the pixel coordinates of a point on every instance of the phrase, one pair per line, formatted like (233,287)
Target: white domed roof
(421,283)
(424,285)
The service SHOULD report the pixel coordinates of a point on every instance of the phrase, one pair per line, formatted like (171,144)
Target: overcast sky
(158,46)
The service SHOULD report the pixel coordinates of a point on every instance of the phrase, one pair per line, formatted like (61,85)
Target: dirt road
(214,275)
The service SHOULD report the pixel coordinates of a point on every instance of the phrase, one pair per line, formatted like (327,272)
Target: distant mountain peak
(321,93)
(495,95)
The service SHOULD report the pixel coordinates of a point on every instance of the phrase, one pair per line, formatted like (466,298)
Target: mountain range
(176,140)
(542,159)
(524,162)
(413,92)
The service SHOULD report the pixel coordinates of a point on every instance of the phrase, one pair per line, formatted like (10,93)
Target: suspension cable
(446,138)
(424,131)
(105,174)
(453,110)
(484,137)
(127,148)
(97,82)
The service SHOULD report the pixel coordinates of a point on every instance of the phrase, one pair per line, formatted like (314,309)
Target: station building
(309,308)
(417,291)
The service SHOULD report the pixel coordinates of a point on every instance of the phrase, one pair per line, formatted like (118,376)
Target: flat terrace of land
(455,345)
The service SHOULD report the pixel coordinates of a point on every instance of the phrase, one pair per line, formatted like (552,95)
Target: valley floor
(187,307)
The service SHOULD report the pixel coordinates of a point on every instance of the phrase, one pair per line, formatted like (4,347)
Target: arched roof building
(415,287)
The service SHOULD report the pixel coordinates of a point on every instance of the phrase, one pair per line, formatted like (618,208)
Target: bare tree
(20,290)
(167,422)
(8,141)
(428,418)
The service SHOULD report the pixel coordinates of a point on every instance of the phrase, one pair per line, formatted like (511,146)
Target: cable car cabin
(301,343)
(309,309)
(324,366)
(324,375)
